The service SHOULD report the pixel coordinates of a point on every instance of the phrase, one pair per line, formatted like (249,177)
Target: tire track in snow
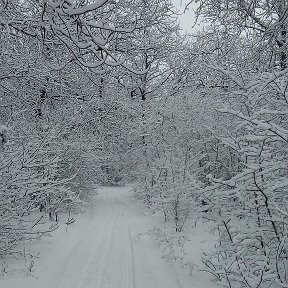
(93,265)
(72,264)
(108,255)
(132,257)
(94,268)
(76,264)
(118,261)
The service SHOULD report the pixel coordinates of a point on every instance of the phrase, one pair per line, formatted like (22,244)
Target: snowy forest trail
(109,248)
(111,252)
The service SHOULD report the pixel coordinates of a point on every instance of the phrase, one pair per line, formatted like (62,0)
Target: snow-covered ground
(107,247)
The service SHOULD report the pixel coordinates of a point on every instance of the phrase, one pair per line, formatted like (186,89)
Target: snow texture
(106,247)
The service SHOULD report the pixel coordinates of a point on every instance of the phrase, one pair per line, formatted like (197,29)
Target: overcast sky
(187,19)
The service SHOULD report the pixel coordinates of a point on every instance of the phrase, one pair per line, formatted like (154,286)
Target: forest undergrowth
(95,95)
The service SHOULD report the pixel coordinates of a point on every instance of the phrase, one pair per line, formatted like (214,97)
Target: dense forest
(108,92)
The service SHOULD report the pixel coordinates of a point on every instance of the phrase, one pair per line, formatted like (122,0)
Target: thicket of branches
(104,92)
(217,140)
(70,71)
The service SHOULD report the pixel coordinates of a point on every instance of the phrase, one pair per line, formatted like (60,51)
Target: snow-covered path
(110,252)
(108,248)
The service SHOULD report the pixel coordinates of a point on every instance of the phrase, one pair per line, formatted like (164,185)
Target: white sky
(186,20)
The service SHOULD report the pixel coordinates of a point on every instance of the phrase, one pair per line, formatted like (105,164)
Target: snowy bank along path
(106,248)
